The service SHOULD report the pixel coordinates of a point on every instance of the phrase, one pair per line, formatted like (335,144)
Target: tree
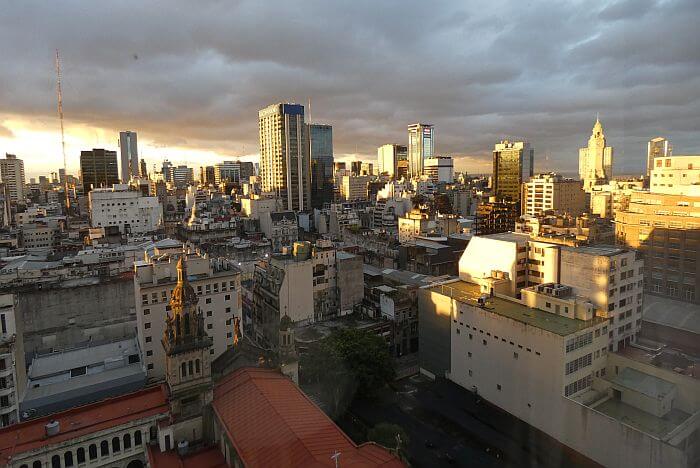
(391,436)
(347,364)
(443,204)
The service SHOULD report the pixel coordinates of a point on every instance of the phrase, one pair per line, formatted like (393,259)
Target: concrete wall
(434,332)
(63,316)
(350,281)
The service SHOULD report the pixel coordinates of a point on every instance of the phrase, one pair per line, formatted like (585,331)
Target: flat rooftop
(645,384)
(64,361)
(641,420)
(508,237)
(671,313)
(468,293)
(602,250)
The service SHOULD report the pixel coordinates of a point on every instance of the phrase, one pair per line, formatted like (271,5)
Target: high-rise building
(595,161)
(494,216)
(143,172)
(61,176)
(207,175)
(552,192)
(512,165)
(388,157)
(129,156)
(353,187)
(439,169)
(421,145)
(658,147)
(167,171)
(182,175)
(285,167)
(356,168)
(12,175)
(98,168)
(227,171)
(321,153)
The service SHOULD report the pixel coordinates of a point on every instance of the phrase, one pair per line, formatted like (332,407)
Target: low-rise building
(555,193)
(128,209)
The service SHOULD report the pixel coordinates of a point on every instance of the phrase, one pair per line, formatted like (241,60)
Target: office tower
(227,171)
(552,192)
(167,171)
(356,168)
(595,161)
(143,172)
(12,175)
(439,169)
(285,168)
(421,144)
(512,165)
(207,175)
(182,175)
(98,168)
(388,157)
(658,147)
(129,156)
(62,176)
(494,216)
(247,170)
(663,224)
(321,153)
(353,188)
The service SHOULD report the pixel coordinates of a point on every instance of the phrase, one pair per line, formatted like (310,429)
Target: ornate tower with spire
(187,357)
(595,160)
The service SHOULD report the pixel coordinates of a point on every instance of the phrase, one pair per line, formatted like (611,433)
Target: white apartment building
(611,278)
(218,286)
(439,169)
(552,192)
(676,175)
(12,175)
(128,209)
(354,188)
(547,360)
(12,369)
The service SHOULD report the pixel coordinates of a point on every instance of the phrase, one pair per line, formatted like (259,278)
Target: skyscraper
(285,167)
(129,155)
(421,144)
(388,157)
(12,175)
(98,168)
(321,154)
(658,147)
(595,161)
(512,165)
(143,172)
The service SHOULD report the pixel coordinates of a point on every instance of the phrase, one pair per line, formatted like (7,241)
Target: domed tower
(286,350)
(187,357)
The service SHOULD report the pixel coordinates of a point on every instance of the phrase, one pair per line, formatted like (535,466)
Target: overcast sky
(189,77)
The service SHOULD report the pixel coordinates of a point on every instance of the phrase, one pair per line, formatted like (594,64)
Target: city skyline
(193,97)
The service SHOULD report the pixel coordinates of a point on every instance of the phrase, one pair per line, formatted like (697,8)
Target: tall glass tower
(421,144)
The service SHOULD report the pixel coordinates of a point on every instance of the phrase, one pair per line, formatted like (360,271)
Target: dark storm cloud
(196,73)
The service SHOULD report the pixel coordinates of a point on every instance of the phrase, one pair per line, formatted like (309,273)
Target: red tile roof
(210,457)
(82,420)
(271,422)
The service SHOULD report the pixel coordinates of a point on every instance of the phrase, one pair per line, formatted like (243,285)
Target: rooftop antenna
(310,121)
(59,96)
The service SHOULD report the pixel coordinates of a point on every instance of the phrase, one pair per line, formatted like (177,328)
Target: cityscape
(337,294)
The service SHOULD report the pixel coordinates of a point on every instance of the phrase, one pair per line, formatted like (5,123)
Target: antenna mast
(59,96)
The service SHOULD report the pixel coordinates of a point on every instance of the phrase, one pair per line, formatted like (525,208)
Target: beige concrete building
(677,175)
(217,285)
(607,199)
(666,229)
(552,192)
(254,206)
(414,224)
(658,147)
(388,158)
(12,175)
(353,188)
(609,277)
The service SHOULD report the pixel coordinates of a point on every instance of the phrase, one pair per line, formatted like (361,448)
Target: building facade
(439,169)
(321,159)
(129,156)
(388,158)
(12,175)
(512,165)
(127,209)
(421,146)
(285,167)
(98,169)
(552,192)
(595,161)
(216,283)
(658,147)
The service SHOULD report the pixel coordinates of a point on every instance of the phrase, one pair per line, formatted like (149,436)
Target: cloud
(195,76)
(6,132)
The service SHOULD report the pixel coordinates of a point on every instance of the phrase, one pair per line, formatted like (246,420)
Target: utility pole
(59,96)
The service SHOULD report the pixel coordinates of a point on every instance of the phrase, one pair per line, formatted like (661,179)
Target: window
(56,461)
(577,386)
(147,325)
(104,448)
(470,373)
(498,386)
(196,366)
(484,342)
(515,355)
(227,297)
(127,441)
(146,311)
(469,354)
(149,353)
(80,455)
(92,451)
(579,363)
(137,438)
(580,341)
(116,444)
(148,339)
(228,310)
(68,459)
(207,300)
